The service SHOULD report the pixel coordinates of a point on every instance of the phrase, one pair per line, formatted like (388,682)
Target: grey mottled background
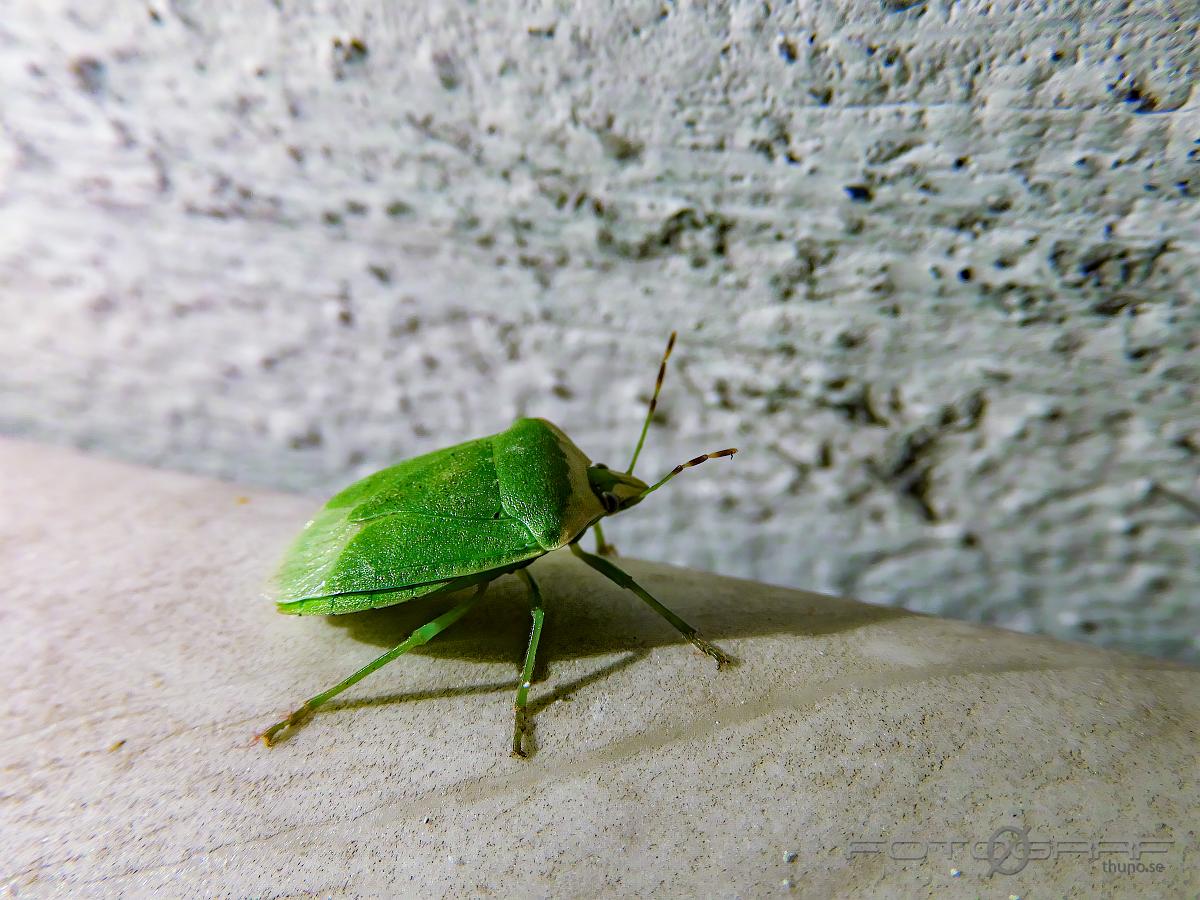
(934,267)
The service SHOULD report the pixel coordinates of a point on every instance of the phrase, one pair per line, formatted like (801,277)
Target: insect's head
(616,490)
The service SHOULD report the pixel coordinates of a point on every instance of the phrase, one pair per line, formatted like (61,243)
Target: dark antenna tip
(694,461)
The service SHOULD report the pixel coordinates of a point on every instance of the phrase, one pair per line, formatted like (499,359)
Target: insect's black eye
(610,502)
(601,466)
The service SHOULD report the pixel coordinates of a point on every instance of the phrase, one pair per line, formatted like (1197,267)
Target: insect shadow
(539,702)
(592,617)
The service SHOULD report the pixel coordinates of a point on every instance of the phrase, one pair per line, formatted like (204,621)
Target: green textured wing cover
(404,532)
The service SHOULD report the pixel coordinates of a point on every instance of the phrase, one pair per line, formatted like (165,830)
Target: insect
(460,518)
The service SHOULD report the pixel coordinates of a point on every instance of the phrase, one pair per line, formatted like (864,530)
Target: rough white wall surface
(933,264)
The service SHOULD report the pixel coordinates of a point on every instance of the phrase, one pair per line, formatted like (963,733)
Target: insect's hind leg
(538,614)
(619,576)
(421,636)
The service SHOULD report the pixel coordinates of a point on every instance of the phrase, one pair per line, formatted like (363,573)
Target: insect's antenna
(687,465)
(662,373)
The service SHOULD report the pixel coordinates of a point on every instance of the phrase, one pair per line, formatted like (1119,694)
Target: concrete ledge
(143,657)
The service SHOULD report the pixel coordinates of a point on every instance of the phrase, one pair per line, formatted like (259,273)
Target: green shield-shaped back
(414,527)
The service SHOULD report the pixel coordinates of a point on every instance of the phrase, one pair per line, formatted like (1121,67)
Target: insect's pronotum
(459,518)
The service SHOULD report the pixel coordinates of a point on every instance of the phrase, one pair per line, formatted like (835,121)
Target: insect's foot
(607,550)
(519,729)
(270,737)
(723,659)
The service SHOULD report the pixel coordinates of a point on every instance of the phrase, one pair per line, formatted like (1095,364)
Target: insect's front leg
(624,579)
(603,547)
(538,613)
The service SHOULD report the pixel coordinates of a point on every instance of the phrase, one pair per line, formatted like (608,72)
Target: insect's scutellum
(398,535)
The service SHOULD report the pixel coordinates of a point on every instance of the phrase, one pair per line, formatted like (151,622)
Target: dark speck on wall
(90,74)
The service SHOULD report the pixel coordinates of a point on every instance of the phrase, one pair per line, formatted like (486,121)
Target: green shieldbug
(462,517)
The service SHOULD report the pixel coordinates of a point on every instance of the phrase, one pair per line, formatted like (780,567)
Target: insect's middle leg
(538,614)
(625,580)
(421,636)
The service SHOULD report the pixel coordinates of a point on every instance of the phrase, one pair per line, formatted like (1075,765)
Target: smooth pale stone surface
(143,657)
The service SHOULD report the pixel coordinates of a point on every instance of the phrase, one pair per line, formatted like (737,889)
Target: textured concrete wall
(933,264)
